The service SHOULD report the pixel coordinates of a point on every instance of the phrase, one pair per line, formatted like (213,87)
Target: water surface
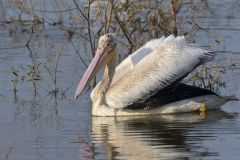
(35,125)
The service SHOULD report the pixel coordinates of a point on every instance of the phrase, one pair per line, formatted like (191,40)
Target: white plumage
(135,57)
(155,66)
(147,81)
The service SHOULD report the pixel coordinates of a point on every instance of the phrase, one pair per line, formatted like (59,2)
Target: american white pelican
(148,81)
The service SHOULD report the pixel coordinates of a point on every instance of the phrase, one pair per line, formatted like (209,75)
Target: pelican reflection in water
(148,81)
(157,136)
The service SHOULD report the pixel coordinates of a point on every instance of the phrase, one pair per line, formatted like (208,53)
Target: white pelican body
(147,81)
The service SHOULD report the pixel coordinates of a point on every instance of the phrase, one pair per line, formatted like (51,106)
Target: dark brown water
(35,125)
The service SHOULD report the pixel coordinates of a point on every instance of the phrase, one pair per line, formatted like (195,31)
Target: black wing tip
(231,98)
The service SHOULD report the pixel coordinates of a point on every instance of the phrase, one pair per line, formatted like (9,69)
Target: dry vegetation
(135,21)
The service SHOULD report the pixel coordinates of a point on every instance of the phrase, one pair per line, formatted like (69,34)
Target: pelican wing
(171,94)
(130,62)
(171,61)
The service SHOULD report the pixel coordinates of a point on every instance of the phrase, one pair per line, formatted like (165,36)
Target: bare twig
(55,69)
(89,28)
(110,16)
(31,31)
(173,13)
(53,76)
(8,151)
(79,55)
(59,11)
(81,12)
(125,32)
(21,6)
(87,18)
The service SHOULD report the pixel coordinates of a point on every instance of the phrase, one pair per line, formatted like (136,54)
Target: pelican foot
(203,109)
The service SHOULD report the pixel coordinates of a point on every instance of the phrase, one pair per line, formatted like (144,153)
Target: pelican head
(104,55)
